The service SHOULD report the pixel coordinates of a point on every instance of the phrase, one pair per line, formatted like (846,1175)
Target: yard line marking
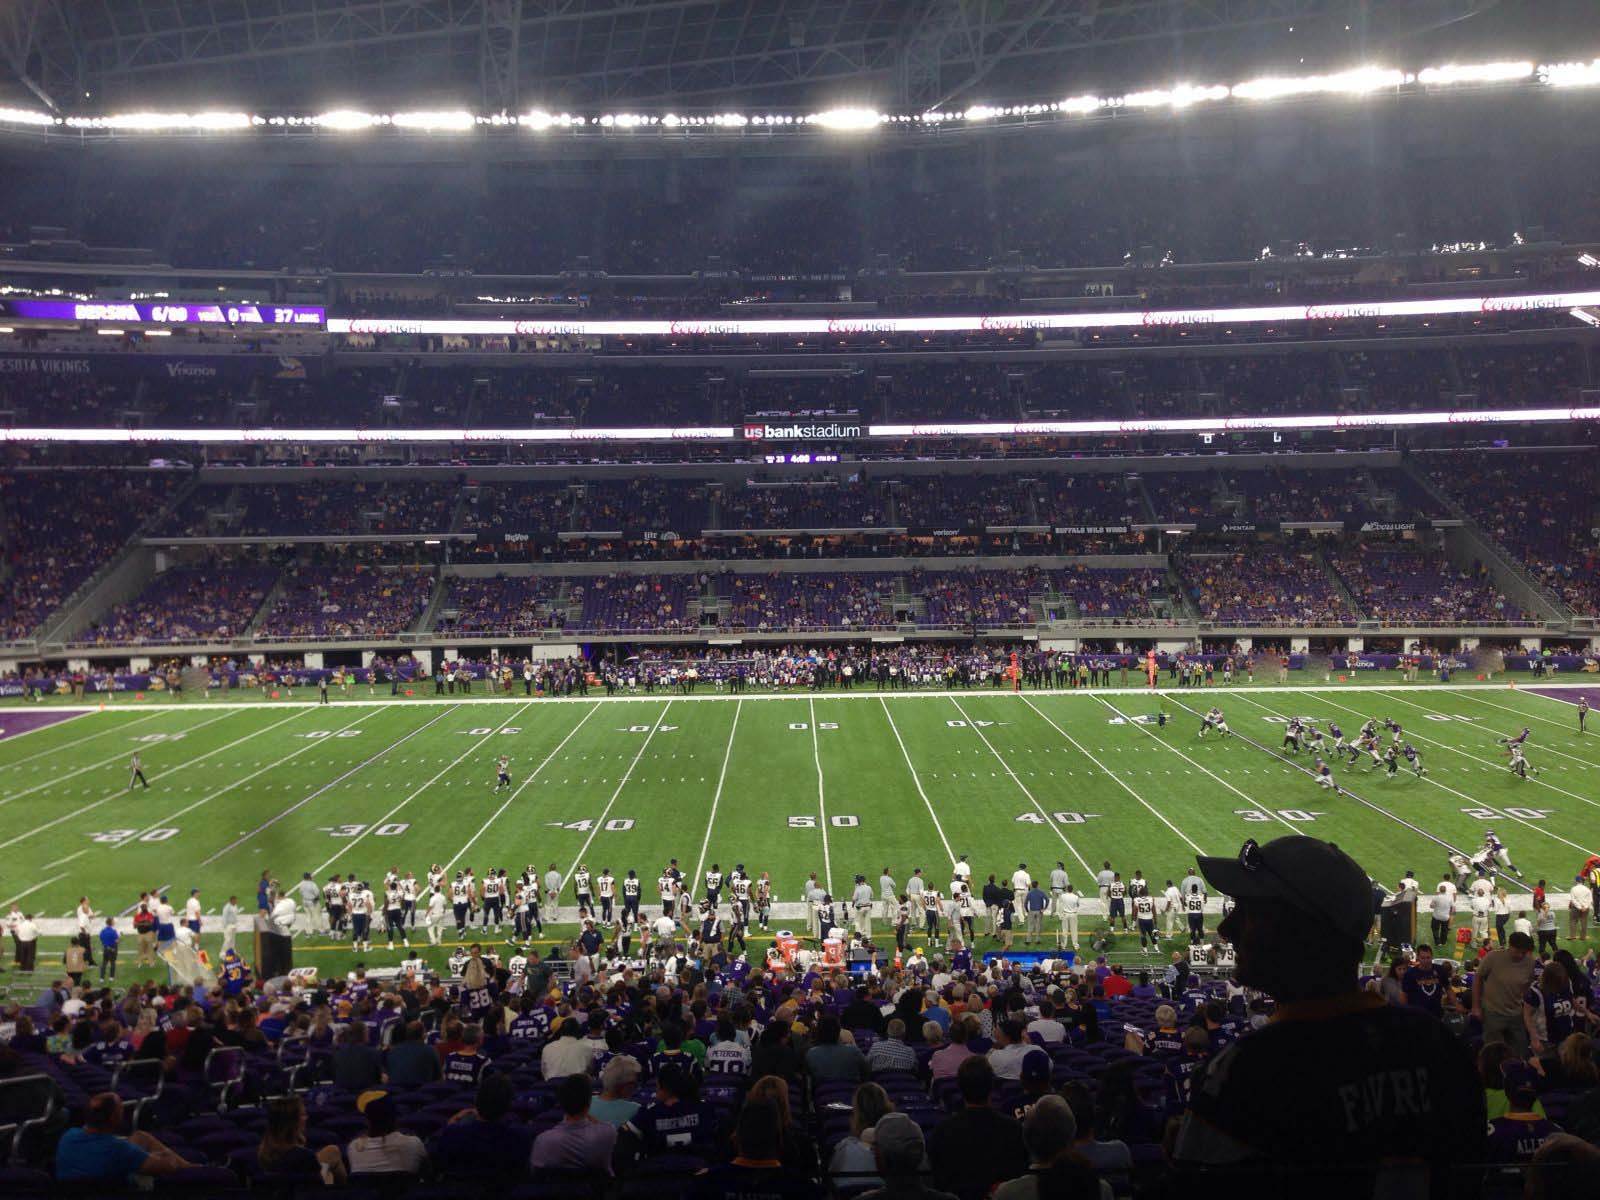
(593,708)
(621,783)
(119,756)
(1446,787)
(311,744)
(716,797)
(67,859)
(1272,812)
(122,792)
(1536,717)
(455,762)
(332,783)
(1467,754)
(1153,810)
(17,762)
(938,828)
(30,891)
(1065,840)
(822,800)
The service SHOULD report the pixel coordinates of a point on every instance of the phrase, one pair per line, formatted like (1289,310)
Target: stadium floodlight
(155,122)
(434,121)
(1357,82)
(847,119)
(346,120)
(24,116)
(984,112)
(1182,96)
(1489,72)
(1588,260)
(1570,74)
(1080,105)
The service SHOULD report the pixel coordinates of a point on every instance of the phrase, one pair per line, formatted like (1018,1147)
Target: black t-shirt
(1350,1082)
(975,1149)
(1424,989)
(735,1182)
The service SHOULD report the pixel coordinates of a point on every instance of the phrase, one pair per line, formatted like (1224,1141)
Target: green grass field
(837,784)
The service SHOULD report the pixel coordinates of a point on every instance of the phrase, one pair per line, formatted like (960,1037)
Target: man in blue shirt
(1034,904)
(96,1151)
(110,939)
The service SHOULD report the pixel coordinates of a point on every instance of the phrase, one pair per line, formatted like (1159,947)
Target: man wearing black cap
(1337,1079)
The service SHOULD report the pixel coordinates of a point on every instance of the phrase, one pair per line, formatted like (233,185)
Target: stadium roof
(509,55)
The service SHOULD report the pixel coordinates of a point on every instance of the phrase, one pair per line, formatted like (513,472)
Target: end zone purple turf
(1570,695)
(14,723)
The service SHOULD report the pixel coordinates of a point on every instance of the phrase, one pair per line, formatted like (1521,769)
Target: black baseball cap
(1314,876)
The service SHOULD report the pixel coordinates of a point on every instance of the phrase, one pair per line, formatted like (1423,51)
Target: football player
(1518,740)
(460,901)
(607,885)
(1214,720)
(361,903)
(1496,851)
(502,768)
(1413,760)
(1519,764)
(1325,777)
(1291,736)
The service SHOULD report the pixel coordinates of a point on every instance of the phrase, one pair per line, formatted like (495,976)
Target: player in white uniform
(361,904)
(502,772)
(1214,720)
(434,919)
(607,885)
(1519,764)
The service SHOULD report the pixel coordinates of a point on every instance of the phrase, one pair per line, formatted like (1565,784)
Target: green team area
(836,784)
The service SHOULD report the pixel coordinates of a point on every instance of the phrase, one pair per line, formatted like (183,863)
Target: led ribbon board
(164,312)
(714,433)
(1026,323)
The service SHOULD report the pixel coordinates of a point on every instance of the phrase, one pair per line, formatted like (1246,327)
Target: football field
(839,784)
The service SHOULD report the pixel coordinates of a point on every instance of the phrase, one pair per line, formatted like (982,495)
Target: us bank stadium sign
(830,431)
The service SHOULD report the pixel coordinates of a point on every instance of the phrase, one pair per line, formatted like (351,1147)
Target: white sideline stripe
(120,756)
(822,799)
(1489,761)
(1526,716)
(917,780)
(122,792)
(1084,750)
(621,783)
(332,783)
(1039,808)
(1444,787)
(716,798)
(71,921)
(17,762)
(1271,812)
(855,694)
(484,828)
(311,744)
(455,762)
